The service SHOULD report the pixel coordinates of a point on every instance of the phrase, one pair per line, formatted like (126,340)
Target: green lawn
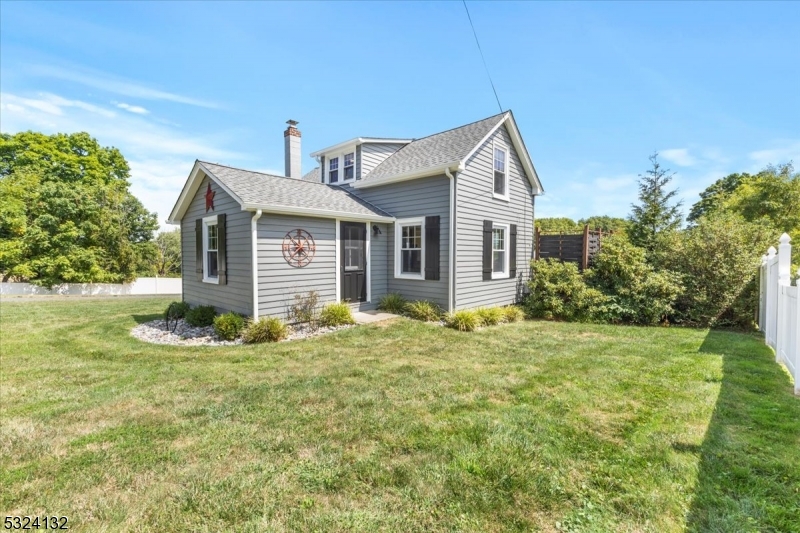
(399,426)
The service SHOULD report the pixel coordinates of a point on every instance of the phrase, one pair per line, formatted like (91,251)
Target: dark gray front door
(354,261)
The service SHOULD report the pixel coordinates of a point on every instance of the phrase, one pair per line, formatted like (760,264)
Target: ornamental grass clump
(201,316)
(336,314)
(392,303)
(513,313)
(424,310)
(228,326)
(490,316)
(464,320)
(265,329)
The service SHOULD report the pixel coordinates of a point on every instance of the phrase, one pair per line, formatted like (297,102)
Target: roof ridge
(456,128)
(262,173)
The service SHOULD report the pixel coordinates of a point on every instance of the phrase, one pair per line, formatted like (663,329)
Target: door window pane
(353,249)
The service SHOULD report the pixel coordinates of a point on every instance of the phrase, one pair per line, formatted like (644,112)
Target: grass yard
(400,426)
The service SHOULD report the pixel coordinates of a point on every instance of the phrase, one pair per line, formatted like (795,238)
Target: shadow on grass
(141,319)
(749,470)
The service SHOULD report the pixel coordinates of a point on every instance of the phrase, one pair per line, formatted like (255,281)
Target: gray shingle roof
(312,175)
(266,190)
(435,151)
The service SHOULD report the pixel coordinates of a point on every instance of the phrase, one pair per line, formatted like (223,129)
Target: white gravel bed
(156,332)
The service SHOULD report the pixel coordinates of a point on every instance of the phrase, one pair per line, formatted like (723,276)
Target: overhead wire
(485,66)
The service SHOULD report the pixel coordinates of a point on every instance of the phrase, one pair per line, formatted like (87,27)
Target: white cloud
(102,81)
(782,152)
(133,108)
(160,156)
(678,156)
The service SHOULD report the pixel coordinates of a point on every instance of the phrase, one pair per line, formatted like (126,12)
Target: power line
(483,58)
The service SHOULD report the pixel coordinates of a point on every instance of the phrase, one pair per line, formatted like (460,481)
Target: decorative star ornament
(210,198)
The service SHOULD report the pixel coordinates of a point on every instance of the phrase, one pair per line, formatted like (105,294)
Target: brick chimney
(292,156)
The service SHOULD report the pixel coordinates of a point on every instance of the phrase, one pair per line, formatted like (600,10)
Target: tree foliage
(605,223)
(168,253)
(557,225)
(656,212)
(67,214)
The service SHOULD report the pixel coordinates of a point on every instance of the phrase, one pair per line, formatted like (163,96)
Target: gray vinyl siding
(278,282)
(372,155)
(474,204)
(415,198)
(237,294)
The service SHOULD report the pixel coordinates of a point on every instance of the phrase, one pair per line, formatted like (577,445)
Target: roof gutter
(254,250)
(451,278)
(316,213)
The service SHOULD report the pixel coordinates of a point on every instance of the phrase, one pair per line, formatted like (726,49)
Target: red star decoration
(210,198)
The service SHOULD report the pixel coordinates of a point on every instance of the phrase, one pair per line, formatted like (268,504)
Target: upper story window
(500,173)
(341,167)
(349,166)
(333,170)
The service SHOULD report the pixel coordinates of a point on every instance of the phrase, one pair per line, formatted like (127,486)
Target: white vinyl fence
(779,309)
(140,286)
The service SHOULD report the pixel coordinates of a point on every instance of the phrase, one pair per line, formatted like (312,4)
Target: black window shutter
(222,257)
(432,248)
(198,244)
(487,250)
(512,253)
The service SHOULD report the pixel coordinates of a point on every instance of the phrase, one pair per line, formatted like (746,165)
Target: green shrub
(228,326)
(635,292)
(490,316)
(176,310)
(392,303)
(513,313)
(201,316)
(464,320)
(558,291)
(423,310)
(336,314)
(265,329)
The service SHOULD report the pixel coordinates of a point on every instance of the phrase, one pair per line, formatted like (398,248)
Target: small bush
(265,329)
(512,313)
(336,314)
(176,310)
(464,320)
(392,303)
(490,316)
(423,310)
(559,291)
(228,326)
(201,316)
(304,309)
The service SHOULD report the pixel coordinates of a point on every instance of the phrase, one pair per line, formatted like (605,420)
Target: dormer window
(349,166)
(333,170)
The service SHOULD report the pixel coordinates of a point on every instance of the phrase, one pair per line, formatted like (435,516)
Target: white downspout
(451,290)
(254,266)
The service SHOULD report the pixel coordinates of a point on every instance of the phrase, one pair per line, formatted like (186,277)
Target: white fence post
(797,335)
(784,279)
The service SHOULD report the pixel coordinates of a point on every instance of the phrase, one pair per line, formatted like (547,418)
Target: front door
(354,261)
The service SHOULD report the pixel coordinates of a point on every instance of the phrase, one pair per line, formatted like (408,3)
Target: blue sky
(595,87)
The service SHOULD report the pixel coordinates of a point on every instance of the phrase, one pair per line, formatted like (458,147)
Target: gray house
(447,218)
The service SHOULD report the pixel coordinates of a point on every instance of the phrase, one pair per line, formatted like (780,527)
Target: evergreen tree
(655,212)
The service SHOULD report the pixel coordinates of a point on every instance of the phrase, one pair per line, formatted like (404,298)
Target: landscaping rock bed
(156,332)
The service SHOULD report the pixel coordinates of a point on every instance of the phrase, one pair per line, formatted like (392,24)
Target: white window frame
(209,221)
(398,252)
(506,196)
(340,155)
(506,249)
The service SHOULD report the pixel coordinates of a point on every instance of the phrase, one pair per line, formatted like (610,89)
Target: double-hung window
(409,243)
(500,166)
(210,249)
(333,170)
(349,167)
(500,251)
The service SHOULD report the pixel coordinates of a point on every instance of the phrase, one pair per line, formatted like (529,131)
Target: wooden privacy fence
(570,247)
(779,308)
